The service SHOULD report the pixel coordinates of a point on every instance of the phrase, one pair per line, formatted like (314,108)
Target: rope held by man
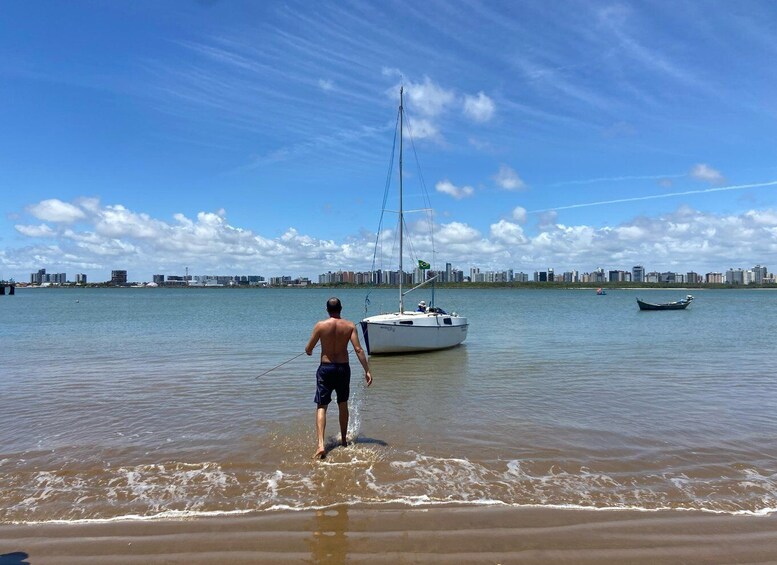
(281,365)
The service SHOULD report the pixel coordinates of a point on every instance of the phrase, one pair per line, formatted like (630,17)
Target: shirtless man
(334,372)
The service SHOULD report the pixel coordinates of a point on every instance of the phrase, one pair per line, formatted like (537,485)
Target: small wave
(369,476)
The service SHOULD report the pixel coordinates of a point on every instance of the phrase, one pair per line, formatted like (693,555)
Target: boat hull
(412,332)
(680,305)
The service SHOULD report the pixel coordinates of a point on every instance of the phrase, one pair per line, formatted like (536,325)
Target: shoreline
(412,535)
(446,286)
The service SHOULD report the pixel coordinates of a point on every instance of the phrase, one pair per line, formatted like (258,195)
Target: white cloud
(685,240)
(508,233)
(117,221)
(479,108)
(428,97)
(457,232)
(118,237)
(457,192)
(35,231)
(706,173)
(519,214)
(424,129)
(763,217)
(508,179)
(91,205)
(113,236)
(54,210)
(427,103)
(326,85)
(630,233)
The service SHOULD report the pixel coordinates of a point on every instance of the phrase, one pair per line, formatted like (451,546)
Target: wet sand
(391,535)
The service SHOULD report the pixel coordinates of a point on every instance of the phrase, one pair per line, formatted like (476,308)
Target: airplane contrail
(618,179)
(656,196)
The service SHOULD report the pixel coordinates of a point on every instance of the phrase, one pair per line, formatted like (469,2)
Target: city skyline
(757,274)
(255,137)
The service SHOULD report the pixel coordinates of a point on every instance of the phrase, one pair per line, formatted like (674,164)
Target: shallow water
(117,402)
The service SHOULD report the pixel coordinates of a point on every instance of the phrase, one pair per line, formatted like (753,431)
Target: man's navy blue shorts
(332,377)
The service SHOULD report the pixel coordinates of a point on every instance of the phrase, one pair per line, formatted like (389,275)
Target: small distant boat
(600,292)
(678,305)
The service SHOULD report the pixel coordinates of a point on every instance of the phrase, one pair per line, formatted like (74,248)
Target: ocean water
(153,403)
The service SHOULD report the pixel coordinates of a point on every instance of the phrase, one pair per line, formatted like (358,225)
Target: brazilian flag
(423,265)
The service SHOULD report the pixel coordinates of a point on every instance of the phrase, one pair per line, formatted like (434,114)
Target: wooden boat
(677,305)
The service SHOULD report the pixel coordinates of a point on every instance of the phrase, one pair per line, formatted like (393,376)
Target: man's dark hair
(333,305)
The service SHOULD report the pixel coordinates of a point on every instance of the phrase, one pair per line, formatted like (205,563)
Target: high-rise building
(80,278)
(39,277)
(616,276)
(638,274)
(735,276)
(667,277)
(118,277)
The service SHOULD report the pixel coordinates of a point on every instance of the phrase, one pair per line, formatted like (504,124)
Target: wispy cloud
(616,19)
(479,108)
(41,230)
(706,173)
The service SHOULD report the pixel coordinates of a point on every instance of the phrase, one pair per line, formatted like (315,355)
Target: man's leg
(343,421)
(320,428)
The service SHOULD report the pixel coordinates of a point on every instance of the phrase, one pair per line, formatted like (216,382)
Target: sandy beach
(401,535)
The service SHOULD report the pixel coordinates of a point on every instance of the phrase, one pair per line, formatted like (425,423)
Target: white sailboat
(408,331)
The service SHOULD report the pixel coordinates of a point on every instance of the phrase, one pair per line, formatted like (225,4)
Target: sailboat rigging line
(385,193)
(281,365)
(425,191)
(410,243)
(383,210)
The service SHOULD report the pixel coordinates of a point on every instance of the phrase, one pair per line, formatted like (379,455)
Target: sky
(255,138)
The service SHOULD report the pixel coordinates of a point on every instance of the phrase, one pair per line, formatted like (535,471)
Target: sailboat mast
(401,216)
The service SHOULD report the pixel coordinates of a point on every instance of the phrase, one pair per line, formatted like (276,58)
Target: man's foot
(343,443)
(320,454)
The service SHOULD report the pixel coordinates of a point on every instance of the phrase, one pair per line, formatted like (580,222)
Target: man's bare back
(334,334)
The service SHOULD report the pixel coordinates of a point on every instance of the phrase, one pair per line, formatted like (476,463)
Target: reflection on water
(329,538)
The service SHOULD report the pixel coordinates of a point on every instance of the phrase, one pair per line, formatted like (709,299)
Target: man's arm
(313,339)
(357,348)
